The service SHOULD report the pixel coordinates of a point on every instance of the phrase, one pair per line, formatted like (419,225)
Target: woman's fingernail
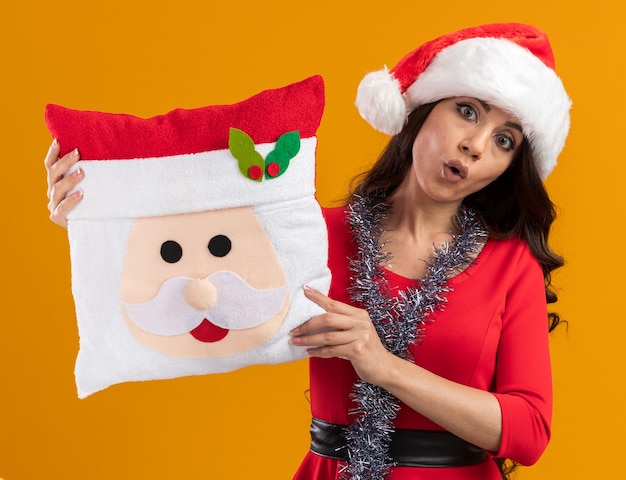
(54,142)
(75,153)
(78,172)
(308,289)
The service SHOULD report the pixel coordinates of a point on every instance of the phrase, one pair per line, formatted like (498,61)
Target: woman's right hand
(60,203)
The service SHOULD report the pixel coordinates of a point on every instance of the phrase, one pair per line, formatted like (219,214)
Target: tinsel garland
(398,320)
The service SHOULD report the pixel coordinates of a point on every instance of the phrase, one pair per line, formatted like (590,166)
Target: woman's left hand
(343,331)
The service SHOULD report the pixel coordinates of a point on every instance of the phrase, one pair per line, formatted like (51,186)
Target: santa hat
(508,65)
(254,152)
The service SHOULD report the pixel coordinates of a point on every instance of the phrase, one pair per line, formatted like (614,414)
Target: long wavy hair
(516,204)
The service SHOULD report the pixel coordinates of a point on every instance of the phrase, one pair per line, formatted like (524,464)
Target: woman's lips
(454,171)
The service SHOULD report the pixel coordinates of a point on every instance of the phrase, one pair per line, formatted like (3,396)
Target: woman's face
(463,146)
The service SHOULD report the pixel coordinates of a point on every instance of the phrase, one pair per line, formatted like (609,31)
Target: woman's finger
(328,352)
(58,169)
(61,183)
(324,322)
(60,189)
(323,337)
(58,213)
(53,154)
(327,303)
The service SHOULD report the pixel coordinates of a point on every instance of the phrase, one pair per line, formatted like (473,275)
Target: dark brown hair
(389,171)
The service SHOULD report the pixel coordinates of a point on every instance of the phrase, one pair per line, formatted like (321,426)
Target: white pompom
(381,103)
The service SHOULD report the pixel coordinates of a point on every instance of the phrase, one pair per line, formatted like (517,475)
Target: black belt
(409,448)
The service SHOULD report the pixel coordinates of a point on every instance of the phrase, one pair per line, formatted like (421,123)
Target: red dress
(491,335)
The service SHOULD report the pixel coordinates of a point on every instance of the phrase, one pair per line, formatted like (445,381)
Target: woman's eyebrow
(514,125)
(485,105)
(487,108)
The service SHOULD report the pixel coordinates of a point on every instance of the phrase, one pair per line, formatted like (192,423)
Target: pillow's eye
(220,245)
(171,251)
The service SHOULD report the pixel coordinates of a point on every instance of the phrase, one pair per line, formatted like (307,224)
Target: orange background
(147,57)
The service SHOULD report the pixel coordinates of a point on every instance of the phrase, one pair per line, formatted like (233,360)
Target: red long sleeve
(523,375)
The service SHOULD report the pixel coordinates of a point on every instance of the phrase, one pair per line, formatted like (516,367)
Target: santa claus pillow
(196,233)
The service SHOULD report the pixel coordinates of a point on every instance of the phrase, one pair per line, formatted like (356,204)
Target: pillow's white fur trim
(187,183)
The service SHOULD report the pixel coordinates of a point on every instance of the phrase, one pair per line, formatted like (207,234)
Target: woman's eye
(467,111)
(505,142)
(219,245)
(171,251)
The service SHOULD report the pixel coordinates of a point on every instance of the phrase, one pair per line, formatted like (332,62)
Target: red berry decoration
(273,169)
(255,172)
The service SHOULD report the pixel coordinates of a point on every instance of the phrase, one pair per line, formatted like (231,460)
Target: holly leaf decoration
(277,161)
(251,163)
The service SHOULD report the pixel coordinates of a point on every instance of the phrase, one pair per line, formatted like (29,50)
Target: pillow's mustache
(237,306)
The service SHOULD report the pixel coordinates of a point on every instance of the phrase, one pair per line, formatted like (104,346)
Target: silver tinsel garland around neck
(398,319)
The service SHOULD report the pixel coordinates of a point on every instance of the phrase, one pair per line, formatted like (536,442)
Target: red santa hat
(509,65)
(254,152)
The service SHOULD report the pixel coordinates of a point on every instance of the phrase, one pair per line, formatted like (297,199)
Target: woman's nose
(200,293)
(474,145)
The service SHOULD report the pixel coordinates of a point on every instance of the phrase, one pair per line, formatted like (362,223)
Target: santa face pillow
(195,235)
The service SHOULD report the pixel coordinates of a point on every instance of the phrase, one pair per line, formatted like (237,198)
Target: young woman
(432,361)
(434,348)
